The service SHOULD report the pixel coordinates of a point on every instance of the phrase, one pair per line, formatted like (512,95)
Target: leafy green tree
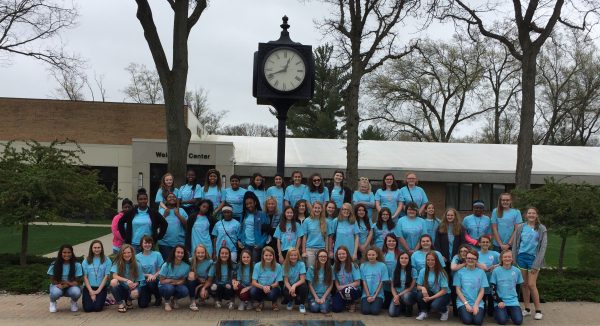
(46,181)
(320,118)
(566,209)
(373,133)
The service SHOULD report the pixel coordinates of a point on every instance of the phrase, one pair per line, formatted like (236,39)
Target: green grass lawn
(571,258)
(48,238)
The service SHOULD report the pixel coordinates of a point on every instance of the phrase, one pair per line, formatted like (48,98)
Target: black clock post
(284,74)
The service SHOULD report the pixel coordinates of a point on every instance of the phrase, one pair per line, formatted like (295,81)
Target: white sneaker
(230,305)
(193,306)
(526,313)
(289,306)
(52,307)
(242,306)
(422,316)
(248,305)
(444,316)
(74,307)
(538,316)
(217,304)
(302,309)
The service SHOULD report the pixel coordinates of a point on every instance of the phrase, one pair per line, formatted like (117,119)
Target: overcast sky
(222,44)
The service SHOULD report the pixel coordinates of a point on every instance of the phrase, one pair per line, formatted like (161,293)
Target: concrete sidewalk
(83,248)
(33,310)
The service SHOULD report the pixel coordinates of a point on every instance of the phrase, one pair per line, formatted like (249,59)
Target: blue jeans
(324,307)
(502,314)
(470,319)
(407,301)
(260,296)
(439,304)
(371,308)
(169,290)
(73,292)
(339,302)
(121,292)
(89,305)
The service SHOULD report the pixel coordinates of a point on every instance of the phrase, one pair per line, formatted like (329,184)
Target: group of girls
(304,244)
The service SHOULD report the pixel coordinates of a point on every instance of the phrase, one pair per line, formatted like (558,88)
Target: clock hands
(284,69)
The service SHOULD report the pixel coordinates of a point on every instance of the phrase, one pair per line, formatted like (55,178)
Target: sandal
(259,307)
(275,307)
(122,308)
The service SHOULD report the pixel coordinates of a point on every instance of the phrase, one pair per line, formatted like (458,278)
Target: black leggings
(301,293)
(88,304)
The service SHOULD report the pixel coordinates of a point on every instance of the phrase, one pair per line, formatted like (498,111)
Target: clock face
(284,69)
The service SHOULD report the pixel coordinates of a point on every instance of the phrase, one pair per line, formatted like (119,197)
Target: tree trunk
(352,120)
(561,254)
(24,241)
(178,135)
(525,139)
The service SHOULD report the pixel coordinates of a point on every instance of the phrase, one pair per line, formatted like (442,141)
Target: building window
(489,193)
(452,195)
(459,196)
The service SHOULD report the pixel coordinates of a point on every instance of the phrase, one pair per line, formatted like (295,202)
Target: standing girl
(277,191)
(382,227)
(294,281)
(389,197)
(315,191)
(199,227)
(320,283)
(212,187)
(288,234)
(126,205)
(339,193)
(265,280)
(391,252)
(403,286)
(418,257)
(166,187)
(504,283)
(410,228)
(222,284)
(505,220)
(257,186)
(365,235)
(331,213)
(234,196)
(363,195)
(433,291)
(470,283)
(176,218)
(295,191)
(190,193)
(488,260)
(150,263)
(242,283)
(200,277)
(141,221)
(373,273)
(413,193)
(450,236)
(529,246)
(301,211)
(346,230)
(127,281)
(96,268)
(274,215)
(65,273)
(255,226)
(226,232)
(347,281)
(315,234)
(173,276)
(432,223)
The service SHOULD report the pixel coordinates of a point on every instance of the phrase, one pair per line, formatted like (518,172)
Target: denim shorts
(525,261)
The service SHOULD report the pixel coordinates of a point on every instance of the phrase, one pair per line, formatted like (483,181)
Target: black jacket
(159,225)
(441,243)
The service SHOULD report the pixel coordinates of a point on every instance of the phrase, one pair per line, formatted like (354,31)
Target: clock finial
(285,24)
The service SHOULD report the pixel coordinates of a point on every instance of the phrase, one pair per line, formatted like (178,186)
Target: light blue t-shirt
(489,258)
(249,230)
(470,281)
(260,194)
(413,274)
(506,224)
(315,196)
(243,275)
(96,271)
(276,193)
(189,192)
(320,286)
(294,272)
(201,234)
(312,231)
(431,227)
(141,225)
(288,238)
(337,195)
(529,241)
(173,271)
(294,194)
(175,231)
(203,269)
(450,239)
(477,226)
(389,258)
(267,276)
(235,198)
(224,228)
(454,260)
(65,271)
(150,263)
(345,278)
(418,258)
(140,274)
(367,199)
(363,232)
(159,195)
(506,281)
(345,233)
(410,230)
(224,270)
(389,199)
(380,234)
(418,195)
(213,194)
(373,275)
(432,285)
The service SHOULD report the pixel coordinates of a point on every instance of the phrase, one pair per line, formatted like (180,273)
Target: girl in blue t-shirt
(288,234)
(295,191)
(190,193)
(173,275)
(505,220)
(315,191)
(128,282)
(390,252)
(96,268)
(234,196)
(265,280)
(338,192)
(413,193)
(432,223)
(150,263)
(315,232)
(199,227)
(320,283)
(242,283)
(364,196)
(212,189)
(65,273)
(470,283)
(504,282)
(257,186)
(382,227)
(365,235)
(199,278)
(389,196)
(488,260)
(374,274)
(347,281)
(166,187)
(403,287)
(418,257)
(345,230)
(277,191)
(410,228)
(331,213)
(433,290)
(176,218)
(294,281)
(223,272)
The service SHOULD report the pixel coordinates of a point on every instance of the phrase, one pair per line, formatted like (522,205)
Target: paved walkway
(33,310)
(84,247)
